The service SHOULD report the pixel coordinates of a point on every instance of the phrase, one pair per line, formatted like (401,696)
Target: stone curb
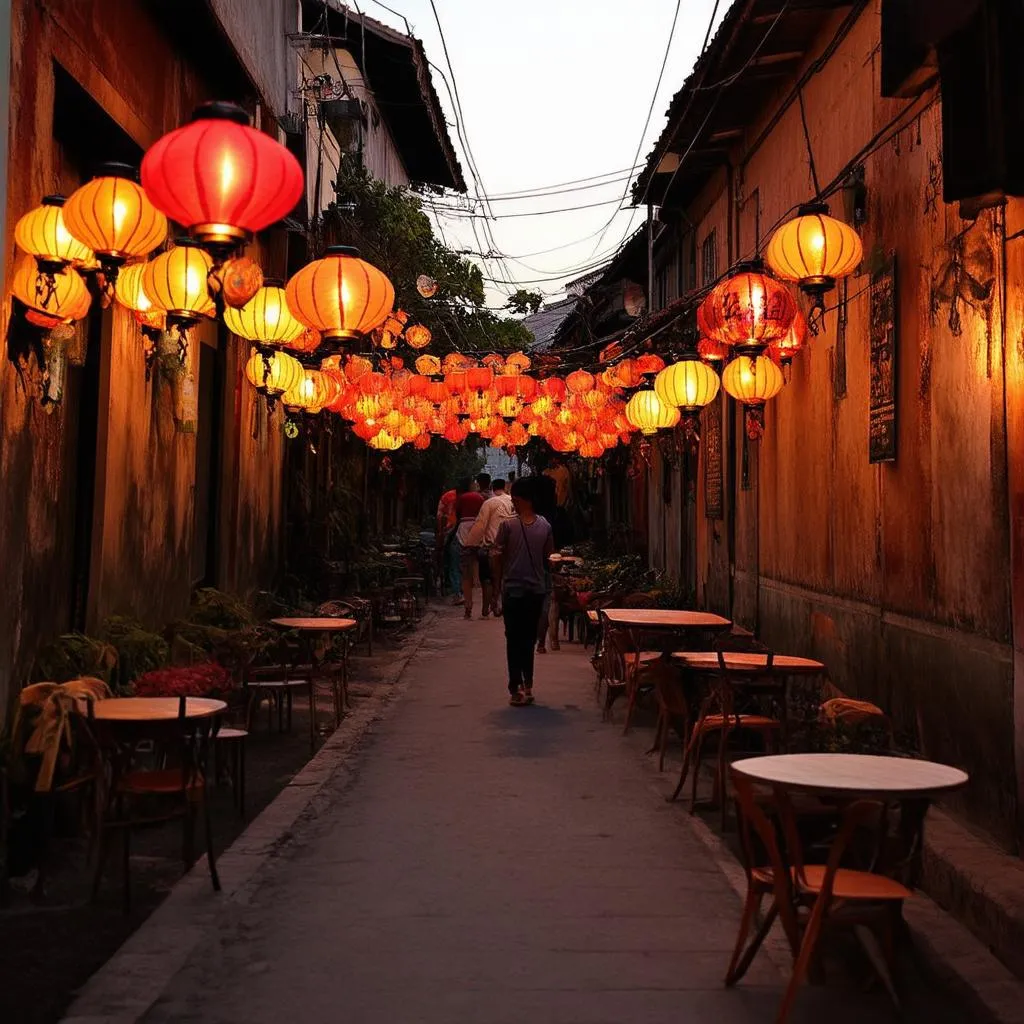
(124,989)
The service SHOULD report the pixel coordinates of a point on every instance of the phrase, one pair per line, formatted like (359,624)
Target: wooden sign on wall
(713,459)
(882,340)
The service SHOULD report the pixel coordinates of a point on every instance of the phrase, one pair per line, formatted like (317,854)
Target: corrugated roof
(758,46)
(545,322)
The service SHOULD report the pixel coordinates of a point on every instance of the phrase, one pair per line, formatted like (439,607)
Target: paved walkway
(493,864)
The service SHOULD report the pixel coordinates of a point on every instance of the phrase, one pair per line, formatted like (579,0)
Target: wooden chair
(235,740)
(276,679)
(720,716)
(807,898)
(623,669)
(673,708)
(352,608)
(183,786)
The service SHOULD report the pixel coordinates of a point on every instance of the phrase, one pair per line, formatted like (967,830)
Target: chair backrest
(761,838)
(731,643)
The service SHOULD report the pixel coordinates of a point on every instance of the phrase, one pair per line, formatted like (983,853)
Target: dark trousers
(521,614)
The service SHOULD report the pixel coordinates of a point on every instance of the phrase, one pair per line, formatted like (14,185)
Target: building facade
(905,575)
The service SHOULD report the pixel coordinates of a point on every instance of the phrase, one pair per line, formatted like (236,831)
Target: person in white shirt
(494,511)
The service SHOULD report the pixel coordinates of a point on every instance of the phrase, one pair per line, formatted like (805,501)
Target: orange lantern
(712,351)
(42,233)
(479,378)
(340,295)
(429,366)
(67,299)
(650,363)
(579,382)
(748,310)
(418,336)
(792,343)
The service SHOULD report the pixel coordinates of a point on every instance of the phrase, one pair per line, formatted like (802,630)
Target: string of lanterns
(328,339)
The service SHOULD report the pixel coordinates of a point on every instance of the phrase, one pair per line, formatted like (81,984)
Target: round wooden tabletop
(853,774)
(321,624)
(660,618)
(745,661)
(154,709)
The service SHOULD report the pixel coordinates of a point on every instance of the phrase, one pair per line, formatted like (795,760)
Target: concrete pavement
(481,863)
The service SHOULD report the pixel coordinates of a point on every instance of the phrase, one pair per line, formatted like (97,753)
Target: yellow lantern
(66,299)
(753,382)
(175,282)
(341,295)
(42,233)
(309,393)
(649,414)
(385,442)
(129,290)
(265,318)
(113,215)
(689,384)
(272,373)
(418,336)
(815,250)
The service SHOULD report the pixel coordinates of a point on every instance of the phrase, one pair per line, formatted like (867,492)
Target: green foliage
(392,232)
(212,607)
(138,650)
(72,656)
(523,301)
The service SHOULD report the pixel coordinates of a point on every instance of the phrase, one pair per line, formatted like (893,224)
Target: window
(709,259)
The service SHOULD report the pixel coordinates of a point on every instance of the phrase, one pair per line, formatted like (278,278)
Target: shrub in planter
(73,656)
(205,679)
(138,650)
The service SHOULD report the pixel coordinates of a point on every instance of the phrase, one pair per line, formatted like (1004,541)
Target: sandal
(517,699)
(529,695)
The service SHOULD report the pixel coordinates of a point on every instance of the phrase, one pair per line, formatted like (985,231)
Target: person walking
(467,508)
(482,536)
(445,532)
(524,545)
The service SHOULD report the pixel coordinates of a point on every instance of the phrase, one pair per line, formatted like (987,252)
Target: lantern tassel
(755,422)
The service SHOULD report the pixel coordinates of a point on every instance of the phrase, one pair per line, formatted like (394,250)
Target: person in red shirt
(448,562)
(467,506)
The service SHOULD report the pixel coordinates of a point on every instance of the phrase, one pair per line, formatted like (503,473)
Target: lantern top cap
(54,200)
(116,170)
(755,265)
(219,110)
(342,250)
(180,240)
(812,209)
(273,282)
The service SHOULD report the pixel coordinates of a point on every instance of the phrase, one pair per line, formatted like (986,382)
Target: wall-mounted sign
(882,340)
(712,430)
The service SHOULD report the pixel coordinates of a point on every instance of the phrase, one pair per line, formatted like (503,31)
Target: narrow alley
(484,863)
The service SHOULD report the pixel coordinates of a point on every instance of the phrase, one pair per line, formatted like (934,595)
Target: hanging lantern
(238,280)
(272,373)
(340,295)
(43,234)
(385,442)
(579,381)
(426,286)
(129,291)
(814,250)
(418,336)
(649,364)
(712,351)
(748,310)
(422,441)
(265,318)
(68,299)
(753,381)
(782,352)
(429,366)
(175,282)
(220,178)
(517,363)
(479,378)
(688,385)
(113,216)
(307,394)
(647,413)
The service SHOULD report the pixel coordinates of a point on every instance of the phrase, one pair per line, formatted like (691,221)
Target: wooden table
(847,779)
(659,618)
(327,626)
(741,661)
(853,775)
(154,709)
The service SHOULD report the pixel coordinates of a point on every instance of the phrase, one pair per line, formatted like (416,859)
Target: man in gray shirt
(523,545)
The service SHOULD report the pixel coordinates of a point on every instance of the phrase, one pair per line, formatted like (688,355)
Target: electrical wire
(647,120)
(807,140)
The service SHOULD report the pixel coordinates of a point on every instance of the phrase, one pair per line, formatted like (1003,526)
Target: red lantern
(748,310)
(220,178)
(579,382)
(478,378)
(796,337)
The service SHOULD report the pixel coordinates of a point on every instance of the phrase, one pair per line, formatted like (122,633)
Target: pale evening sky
(553,91)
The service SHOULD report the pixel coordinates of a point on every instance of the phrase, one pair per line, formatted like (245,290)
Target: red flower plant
(206,679)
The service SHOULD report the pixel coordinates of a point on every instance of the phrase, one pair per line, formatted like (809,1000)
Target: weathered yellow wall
(142,531)
(896,575)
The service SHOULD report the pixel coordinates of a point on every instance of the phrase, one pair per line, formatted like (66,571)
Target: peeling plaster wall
(142,531)
(897,575)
